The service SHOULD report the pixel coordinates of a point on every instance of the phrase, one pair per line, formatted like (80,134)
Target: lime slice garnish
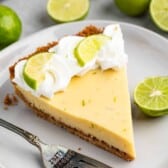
(10,26)
(33,72)
(67,10)
(159,13)
(151,95)
(88,47)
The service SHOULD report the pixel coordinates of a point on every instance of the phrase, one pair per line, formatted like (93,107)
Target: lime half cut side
(88,48)
(151,96)
(67,10)
(34,72)
(159,13)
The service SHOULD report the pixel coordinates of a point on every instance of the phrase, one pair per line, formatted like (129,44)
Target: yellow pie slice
(95,106)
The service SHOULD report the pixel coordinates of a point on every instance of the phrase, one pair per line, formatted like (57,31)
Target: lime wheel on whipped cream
(88,47)
(34,72)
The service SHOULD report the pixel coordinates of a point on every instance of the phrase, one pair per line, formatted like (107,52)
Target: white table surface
(34,16)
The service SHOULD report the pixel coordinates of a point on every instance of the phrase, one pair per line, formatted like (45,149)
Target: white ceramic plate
(148,56)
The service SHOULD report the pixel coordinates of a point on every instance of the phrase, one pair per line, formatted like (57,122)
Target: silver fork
(55,156)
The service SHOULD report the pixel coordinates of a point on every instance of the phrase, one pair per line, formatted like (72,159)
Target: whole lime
(133,7)
(10,26)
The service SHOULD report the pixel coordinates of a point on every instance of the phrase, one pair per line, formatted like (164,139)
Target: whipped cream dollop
(60,69)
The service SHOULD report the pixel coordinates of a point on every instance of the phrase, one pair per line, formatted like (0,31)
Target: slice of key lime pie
(80,83)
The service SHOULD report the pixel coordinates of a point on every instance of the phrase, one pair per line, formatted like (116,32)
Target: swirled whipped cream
(63,65)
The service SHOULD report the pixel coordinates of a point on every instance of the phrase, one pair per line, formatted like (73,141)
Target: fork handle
(33,139)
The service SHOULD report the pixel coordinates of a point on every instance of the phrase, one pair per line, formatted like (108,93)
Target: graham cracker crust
(89,30)
(79,133)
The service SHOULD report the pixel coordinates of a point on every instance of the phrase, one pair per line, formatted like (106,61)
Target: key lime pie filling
(80,83)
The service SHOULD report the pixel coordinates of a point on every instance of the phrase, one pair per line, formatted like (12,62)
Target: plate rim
(23,40)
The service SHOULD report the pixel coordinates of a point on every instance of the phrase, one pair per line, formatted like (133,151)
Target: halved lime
(88,47)
(67,10)
(33,72)
(159,13)
(151,95)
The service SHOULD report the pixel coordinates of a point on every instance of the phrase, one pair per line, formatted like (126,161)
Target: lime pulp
(159,13)
(67,10)
(151,96)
